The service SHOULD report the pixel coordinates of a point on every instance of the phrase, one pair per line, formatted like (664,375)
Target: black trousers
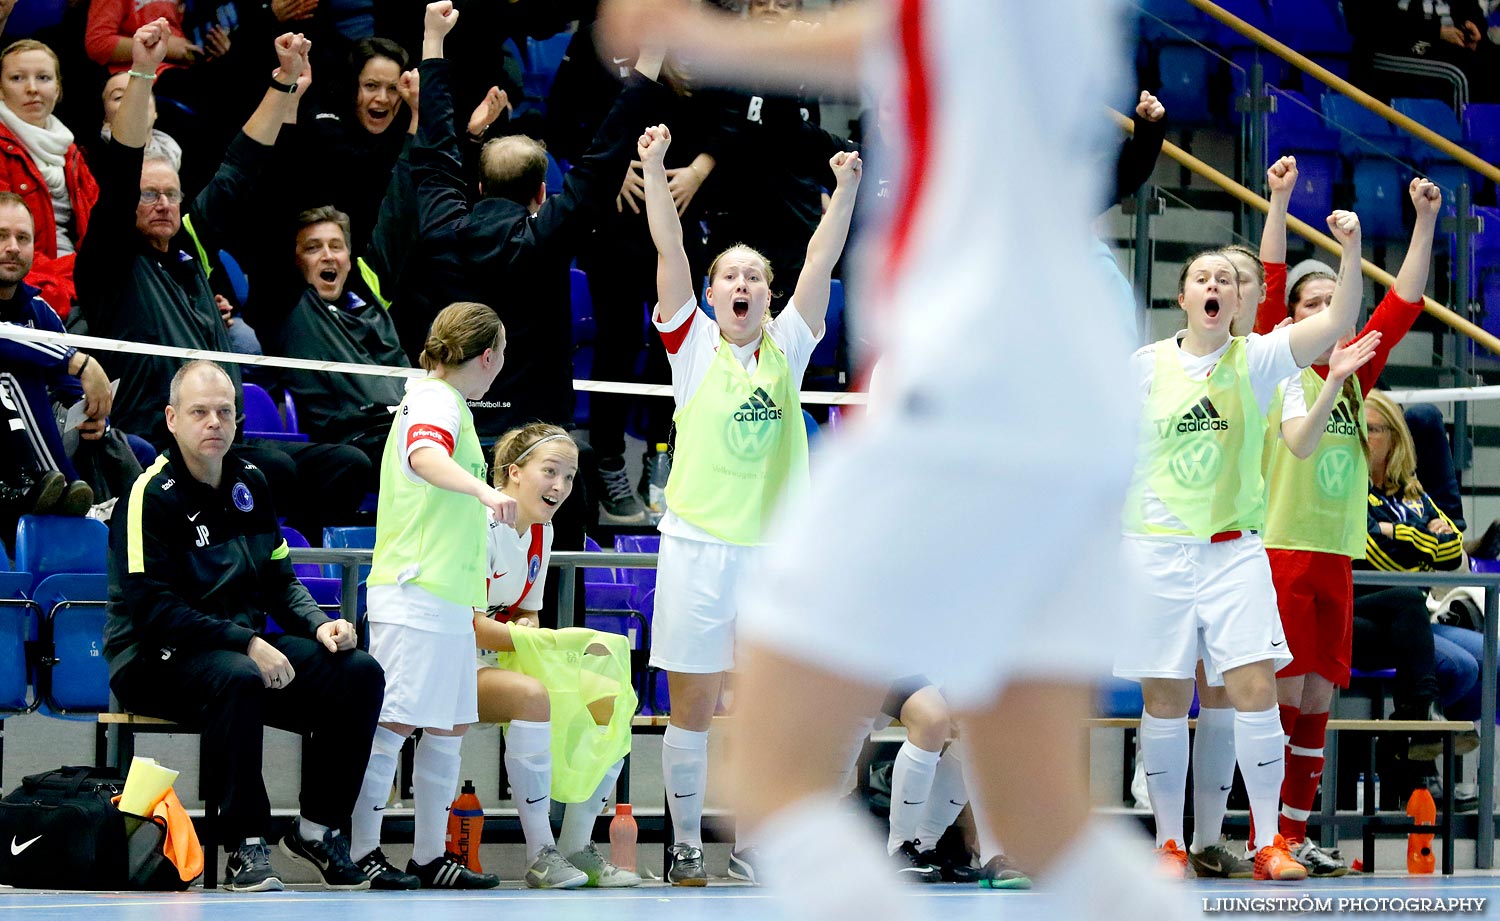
(314,485)
(333,702)
(1392,630)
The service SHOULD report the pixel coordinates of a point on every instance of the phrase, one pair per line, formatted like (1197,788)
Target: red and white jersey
(518,565)
(431,418)
(692,340)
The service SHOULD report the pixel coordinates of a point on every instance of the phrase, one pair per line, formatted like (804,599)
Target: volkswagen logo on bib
(1334,469)
(1197,462)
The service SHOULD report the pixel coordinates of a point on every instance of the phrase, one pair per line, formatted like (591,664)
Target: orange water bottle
(622,834)
(1423,811)
(465,826)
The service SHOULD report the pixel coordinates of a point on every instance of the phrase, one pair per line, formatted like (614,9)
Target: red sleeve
(674,339)
(1273,309)
(426,431)
(106,18)
(1393,318)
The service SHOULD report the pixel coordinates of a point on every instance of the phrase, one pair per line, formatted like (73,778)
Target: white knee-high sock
(684,768)
(528,761)
(1260,747)
(1213,773)
(1164,748)
(578,819)
(434,780)
(374,792)
(947,798)
(848,757)
(911,784)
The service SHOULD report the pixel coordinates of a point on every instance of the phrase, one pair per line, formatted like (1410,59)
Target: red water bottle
(1423,811)
(622,833)
(465,826)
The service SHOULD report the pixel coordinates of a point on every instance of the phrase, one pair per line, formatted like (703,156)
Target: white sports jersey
(518,565)
(692,340)
(431,418)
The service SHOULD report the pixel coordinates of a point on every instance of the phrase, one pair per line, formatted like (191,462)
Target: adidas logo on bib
(1201,418)
(1342,422)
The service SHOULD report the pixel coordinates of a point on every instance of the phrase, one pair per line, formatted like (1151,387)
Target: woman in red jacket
(40,163)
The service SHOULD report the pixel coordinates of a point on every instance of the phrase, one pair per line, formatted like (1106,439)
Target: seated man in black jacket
(144,278)
(196,567)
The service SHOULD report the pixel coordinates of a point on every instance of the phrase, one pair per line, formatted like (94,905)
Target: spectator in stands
(162,146)
(1427,47)
(144,278)
(338,313)
(34,375)
(113,23)
(513,246)
(425,584)
(532,678)
(728,472)
(1407,532)
(42,164)
(619,260)
(196,568)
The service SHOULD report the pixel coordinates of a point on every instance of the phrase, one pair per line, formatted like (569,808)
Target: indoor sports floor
(655,902)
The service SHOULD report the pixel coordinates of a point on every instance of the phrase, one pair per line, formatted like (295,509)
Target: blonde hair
(459,332)
(516,444)
(1401,461)
(31,44)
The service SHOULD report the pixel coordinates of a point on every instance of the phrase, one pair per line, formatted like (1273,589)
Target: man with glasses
(145,274)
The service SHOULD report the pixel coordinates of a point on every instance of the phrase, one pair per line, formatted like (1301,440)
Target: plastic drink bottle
(465,827)
(622,835)
(1423,811)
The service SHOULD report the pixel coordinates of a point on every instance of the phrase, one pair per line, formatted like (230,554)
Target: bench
(1371,824)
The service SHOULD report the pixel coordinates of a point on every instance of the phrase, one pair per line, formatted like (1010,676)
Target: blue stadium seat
(295,538)
(598,574)
(1185,73)
(361,538)
(1379,190)
(1317,175)
(1482,130)
(543,57)
(74,608)
(1172,21)
(262,419)
(1119,697)
(50,544)
(236,277)
(1254,12)
(1434,114)
(18,626)
(1298,125)
(825,353)
(1311,26)
(32,17)
(1359,126)
(811,425)
(289,412)
(644,579)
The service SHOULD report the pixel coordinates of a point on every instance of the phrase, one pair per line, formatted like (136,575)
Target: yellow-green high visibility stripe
(135,550)
(282,552)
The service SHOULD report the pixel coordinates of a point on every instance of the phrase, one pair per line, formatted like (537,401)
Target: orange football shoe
(1172,860)
(1276,863)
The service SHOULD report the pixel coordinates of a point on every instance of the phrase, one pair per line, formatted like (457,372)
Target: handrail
(1317,237)
(1328,77)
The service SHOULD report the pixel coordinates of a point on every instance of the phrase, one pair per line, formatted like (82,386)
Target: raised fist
(1282,176)
(1344,225)
(652,145)
(440,19)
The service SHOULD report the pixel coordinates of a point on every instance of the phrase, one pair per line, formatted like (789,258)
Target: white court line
(100,344)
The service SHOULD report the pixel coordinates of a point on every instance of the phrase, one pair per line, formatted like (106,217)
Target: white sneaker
(601,873)
(550,871)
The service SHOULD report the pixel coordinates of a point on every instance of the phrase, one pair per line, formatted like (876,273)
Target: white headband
(536,444)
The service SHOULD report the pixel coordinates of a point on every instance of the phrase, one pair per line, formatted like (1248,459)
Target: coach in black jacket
(511,249)
(197,564)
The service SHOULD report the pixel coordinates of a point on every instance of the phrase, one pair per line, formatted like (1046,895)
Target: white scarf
(47,145)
